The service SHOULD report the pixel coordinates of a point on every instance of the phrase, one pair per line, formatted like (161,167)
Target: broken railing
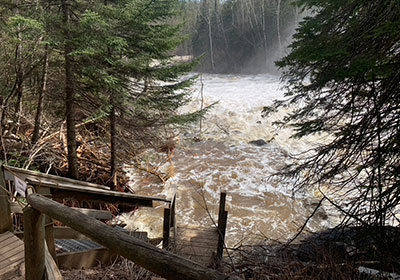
(161,262)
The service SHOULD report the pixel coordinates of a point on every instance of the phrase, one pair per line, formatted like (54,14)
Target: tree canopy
(343,75)
(84,67)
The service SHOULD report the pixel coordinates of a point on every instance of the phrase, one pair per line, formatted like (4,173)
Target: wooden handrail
(161,262)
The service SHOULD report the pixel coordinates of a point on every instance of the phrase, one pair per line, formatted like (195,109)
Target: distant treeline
(238,36)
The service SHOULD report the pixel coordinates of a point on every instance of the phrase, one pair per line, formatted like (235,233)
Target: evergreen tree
(343,77)
(128,47)
(110,62)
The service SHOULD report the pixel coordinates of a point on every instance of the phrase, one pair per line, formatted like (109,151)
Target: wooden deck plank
(16,256)
(11,271)
(12,251)
(195,228)
(196,243)
(11,254)
(4,236)
(6,242)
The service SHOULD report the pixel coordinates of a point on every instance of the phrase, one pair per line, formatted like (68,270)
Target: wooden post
(222,202)
(161,262)
(6,223)
(173,221)
(166,227)
(221,238)
(222,221)
(34,244)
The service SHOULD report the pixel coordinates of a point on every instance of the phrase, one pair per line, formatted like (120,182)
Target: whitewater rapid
(219,158)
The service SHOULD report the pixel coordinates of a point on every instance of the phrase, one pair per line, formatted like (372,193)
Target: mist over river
(220,158)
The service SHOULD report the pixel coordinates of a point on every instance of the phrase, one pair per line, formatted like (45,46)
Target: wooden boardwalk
(203,245)
(11,255)
(198,244)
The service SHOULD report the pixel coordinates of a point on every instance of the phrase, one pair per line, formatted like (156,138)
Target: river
(220,158)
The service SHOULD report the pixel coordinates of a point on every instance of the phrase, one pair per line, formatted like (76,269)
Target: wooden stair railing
(161,262)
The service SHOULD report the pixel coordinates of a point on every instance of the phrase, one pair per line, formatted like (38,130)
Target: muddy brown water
(223,160)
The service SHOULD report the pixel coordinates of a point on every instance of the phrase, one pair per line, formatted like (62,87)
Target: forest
(238,36)
(88,88)
(104,73)
(83,82)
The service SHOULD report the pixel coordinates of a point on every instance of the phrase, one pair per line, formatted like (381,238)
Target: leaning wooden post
(5,210)
(166,227)
(34,244)
(222,221)
(49,236)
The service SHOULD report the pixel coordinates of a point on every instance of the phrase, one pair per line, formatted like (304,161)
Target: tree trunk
(69,95)
(18,104)
(113,132)
(42,90)
(210,39)
(278,28)
(264,31)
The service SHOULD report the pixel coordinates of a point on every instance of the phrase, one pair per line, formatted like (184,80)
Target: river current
(220,157)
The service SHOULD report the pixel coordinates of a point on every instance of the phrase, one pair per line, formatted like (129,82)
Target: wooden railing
(169,223)
(222,221)
(161,262)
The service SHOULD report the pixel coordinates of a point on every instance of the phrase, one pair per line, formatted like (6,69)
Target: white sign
(20,186)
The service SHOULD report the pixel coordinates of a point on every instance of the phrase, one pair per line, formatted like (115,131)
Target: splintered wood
(11,255)
(197,243)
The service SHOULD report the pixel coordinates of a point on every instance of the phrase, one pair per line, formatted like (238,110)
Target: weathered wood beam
(34,244)
(161,262)
(94,213)
(101,197)
(5,211)
(43,178)
(52,271)
(49,236)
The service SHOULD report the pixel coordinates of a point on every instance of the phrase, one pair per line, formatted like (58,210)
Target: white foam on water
(224,160)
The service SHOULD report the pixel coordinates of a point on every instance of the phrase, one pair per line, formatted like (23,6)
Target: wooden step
(198,244)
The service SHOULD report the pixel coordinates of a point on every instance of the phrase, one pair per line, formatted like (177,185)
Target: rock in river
(258,142)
